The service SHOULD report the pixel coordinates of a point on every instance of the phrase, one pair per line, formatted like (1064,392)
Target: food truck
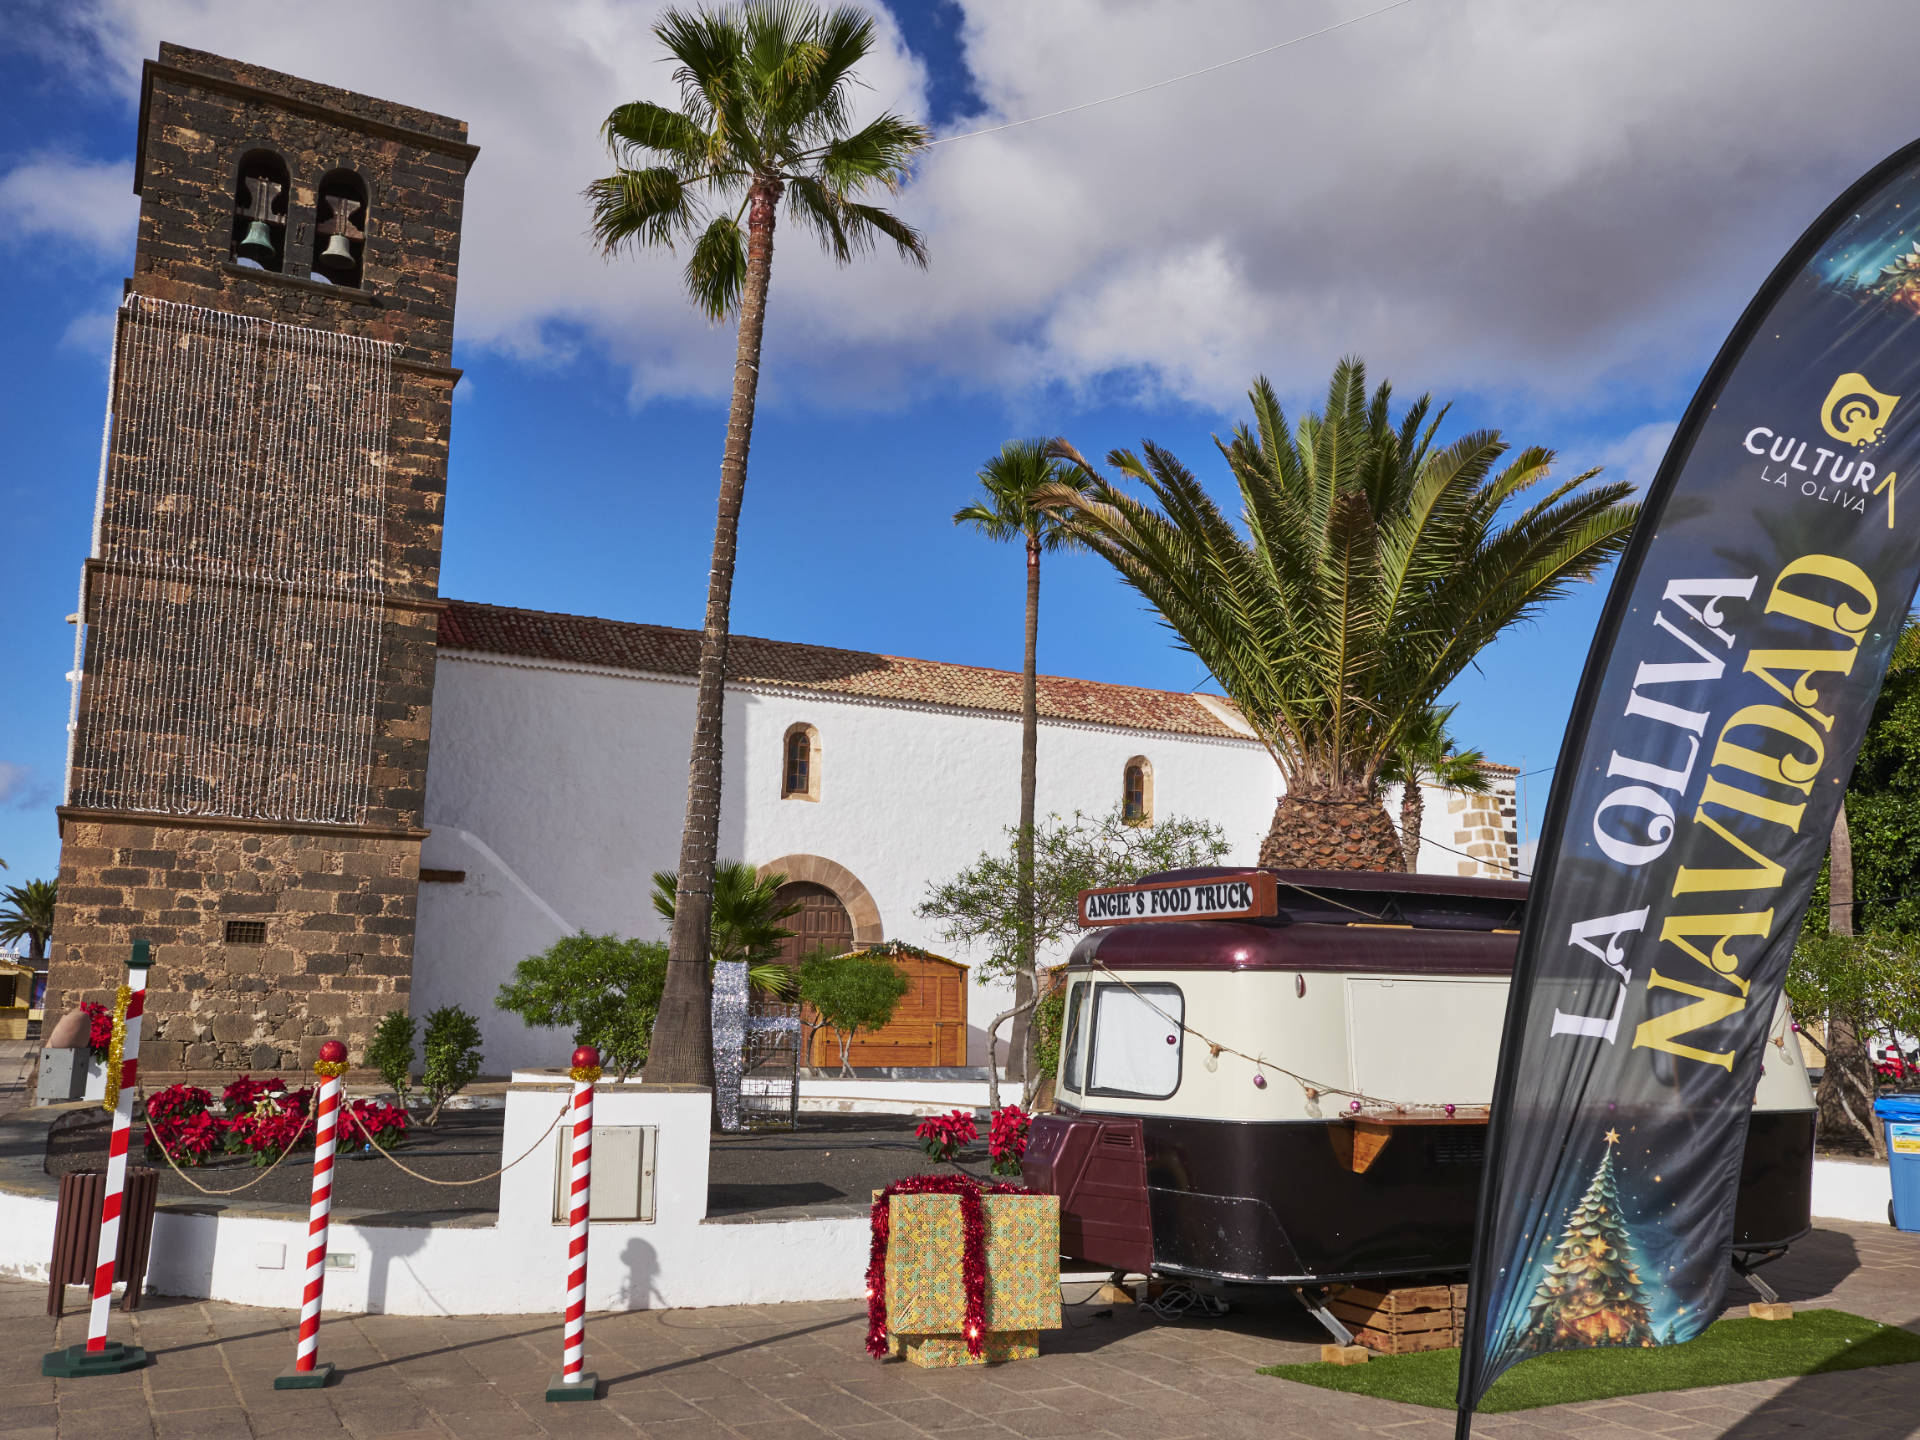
(1282,1078)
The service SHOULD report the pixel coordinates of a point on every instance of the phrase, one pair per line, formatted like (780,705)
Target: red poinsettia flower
(942,1136)
(1007,1138)
(99,1028)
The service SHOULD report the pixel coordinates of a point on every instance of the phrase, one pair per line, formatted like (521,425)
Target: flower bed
(259,1119)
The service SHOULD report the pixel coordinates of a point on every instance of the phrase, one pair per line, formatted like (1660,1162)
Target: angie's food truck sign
(1236,897)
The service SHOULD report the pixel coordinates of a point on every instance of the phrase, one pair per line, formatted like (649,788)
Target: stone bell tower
(254,672)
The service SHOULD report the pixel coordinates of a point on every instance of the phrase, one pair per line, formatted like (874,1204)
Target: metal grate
(246,932)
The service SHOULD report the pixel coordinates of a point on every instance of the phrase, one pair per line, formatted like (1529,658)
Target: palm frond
(641,125)
(1368,565)
(717,269)
(641,207)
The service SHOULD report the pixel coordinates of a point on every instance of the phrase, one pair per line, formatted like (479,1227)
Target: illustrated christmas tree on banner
(1590,1294)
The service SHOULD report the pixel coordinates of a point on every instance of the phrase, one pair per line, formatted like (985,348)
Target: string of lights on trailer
(1360,1105)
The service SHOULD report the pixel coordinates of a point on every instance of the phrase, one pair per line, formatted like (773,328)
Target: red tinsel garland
(973,1251)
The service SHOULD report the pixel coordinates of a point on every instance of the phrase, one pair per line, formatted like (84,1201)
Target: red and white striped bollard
(575,1381)
(100,1356)
(308,1372)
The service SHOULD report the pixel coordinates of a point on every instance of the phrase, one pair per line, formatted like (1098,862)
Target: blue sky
(1547,214)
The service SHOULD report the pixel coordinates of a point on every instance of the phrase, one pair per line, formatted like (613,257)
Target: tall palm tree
(1425,755)
(765,115)
(27,914)
(1374,565)
(1006,510)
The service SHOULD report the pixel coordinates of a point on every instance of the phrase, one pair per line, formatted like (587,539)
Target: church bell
(338,255)
(258,244)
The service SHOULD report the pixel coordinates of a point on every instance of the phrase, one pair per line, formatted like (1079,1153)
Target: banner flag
(1729,686)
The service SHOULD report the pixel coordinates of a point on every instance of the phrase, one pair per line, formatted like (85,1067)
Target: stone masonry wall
(337,900)
(1484,827)
(338,951)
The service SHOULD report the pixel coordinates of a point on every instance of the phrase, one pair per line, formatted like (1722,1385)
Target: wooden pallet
(1401,1322)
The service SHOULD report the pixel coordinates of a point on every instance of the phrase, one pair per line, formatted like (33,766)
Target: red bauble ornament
(586,1056)
(332,1051)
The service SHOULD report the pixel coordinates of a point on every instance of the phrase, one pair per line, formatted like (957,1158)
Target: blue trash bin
(1900,1114)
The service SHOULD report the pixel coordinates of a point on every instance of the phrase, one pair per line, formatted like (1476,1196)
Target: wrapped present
(937,1352)
(926,1277)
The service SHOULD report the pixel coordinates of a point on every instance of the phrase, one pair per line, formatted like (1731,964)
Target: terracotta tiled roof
(662,650)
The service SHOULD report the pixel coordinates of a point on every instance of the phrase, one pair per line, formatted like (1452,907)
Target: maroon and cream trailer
(1249,1164)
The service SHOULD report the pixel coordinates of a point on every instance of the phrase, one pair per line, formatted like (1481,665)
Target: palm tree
(765,115)
(27,914)
(745,924)
(1425,755)
(1005,510)
(1373,567)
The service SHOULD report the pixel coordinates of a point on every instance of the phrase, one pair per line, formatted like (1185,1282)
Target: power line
(1173,80)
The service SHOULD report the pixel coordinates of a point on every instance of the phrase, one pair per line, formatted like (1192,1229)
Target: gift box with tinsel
(926,1286)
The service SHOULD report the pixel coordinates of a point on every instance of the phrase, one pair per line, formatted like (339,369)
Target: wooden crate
(1399,1322)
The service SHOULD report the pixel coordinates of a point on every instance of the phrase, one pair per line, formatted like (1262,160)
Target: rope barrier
(428,1179)
(167,1155)
(305,1123)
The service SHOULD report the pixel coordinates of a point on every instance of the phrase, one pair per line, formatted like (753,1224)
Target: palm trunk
(1413,808)
(1324,831)
(681,1049)
(1020,1045)
(1845,1096)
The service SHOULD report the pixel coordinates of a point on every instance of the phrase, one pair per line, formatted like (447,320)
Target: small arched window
(340,229)
(800,764)
(1136,791)
(260,191)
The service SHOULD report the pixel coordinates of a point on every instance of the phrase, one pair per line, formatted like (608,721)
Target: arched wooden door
(822,920)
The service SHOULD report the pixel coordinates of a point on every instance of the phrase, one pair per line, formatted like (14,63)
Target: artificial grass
(1731,1351)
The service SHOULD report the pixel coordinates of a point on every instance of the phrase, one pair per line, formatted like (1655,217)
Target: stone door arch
(816,871)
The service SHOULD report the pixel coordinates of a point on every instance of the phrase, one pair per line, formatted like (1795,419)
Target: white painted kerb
(518,1265)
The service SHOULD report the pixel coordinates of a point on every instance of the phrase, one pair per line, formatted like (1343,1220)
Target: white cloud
(1537,198)
(55,202)
(1635,456)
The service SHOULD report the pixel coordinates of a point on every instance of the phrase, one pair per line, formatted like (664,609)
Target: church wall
(557,792)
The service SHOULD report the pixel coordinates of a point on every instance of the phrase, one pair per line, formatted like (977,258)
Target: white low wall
(900,1097)
(517,1265)
(1852,1190)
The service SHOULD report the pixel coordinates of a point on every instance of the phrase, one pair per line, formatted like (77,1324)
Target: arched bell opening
(260,187)
(340,229)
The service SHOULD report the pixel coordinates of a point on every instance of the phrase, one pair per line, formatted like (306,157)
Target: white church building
(557,785)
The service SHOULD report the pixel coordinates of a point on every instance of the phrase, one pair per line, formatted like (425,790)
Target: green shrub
(391,1052)
(603,989)
(450,1046)
(1048,1016)
(851,993)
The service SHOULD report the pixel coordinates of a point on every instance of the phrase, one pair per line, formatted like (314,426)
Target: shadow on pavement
(1813,1269)
(745,1345)
(1810,1407)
